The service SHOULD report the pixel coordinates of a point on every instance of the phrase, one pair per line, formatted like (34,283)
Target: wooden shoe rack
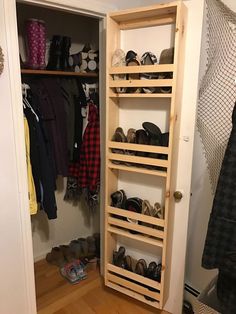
(120,26)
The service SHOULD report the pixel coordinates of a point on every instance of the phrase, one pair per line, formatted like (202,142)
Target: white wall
(201,203)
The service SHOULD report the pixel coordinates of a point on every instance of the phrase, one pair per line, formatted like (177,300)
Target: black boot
(55,53)
(65,53)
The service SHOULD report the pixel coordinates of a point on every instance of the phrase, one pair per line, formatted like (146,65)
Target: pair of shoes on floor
(85,248)
(74,272)
(61,255)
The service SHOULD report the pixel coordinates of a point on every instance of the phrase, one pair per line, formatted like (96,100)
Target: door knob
(178,195)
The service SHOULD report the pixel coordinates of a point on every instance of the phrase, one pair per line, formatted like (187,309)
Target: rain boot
(32,42)
(65,54)
(42,45)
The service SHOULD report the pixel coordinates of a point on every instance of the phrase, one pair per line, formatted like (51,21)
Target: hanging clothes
(220,241)
(50,104)
(41,161)
(85,174)
(33,206)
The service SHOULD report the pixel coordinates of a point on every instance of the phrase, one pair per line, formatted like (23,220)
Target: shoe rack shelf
(138,227)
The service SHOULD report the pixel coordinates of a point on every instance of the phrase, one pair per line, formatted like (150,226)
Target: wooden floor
(56,295)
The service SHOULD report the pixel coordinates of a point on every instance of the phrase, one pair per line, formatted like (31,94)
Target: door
(10,82)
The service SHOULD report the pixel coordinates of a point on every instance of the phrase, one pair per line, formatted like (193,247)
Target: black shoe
(55,51)
(65,53)
(118,199)
(119,257)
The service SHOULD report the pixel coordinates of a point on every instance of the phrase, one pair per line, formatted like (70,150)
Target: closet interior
(54,102)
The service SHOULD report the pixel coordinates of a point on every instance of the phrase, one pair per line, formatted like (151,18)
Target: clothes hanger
(26,103)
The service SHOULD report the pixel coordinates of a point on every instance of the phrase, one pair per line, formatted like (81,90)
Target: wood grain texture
(56,296)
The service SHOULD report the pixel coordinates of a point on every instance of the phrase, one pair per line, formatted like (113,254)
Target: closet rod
(59,73)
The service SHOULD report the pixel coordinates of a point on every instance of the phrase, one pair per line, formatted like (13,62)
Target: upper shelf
(58,73)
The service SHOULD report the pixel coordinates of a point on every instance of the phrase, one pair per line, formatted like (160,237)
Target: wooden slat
(59,73)
(142,69)
(123,272)
(136,227)
(152,21)
(156,10)
(136,237)
(133,286)
(137,170)
(136,216)
(139,160)
(141,83)
(133,294)
(139,147)
(139,95)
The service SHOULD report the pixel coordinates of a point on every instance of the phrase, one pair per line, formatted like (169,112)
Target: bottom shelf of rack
(132,294)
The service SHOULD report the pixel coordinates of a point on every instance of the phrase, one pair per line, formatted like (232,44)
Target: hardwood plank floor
(56,296)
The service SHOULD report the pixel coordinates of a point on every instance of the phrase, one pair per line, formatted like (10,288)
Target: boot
(42,45)
(65,54)
(55,53)
(32,42)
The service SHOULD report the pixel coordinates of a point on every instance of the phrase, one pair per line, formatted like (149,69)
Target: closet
(73,220)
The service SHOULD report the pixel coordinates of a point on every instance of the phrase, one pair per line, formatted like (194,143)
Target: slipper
(141,137)
(148,58)
(118,136)
(141,267)
(130,263)
(157,211)
(166,57)
(147,209)
(119,257)
(118,199)
(132,60)
(118,59)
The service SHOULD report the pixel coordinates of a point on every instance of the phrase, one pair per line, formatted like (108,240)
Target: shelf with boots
(126,161)
(59,73)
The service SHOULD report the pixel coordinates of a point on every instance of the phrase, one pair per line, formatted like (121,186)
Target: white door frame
(90,8)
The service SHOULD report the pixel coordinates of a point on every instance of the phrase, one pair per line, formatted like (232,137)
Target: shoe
(119,257)
(55,52)
(118,199)
(118,59)
(65,54)
(141,267)
(154,134)
(130,263)
(91,247)
(133,204)
(166,57)
(97,244)
(131,59)
(73,272)
(69,255)
(41,45)
(141,137)
(76,248)
(148,58)
(56,257)
(84,247)
(32,43)
(157,211)
(157,273)
(131,135)
(150,270)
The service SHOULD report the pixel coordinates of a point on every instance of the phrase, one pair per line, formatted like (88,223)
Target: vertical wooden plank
(112,120)
(173,144)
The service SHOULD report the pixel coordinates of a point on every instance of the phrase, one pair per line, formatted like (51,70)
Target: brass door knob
(178,195)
